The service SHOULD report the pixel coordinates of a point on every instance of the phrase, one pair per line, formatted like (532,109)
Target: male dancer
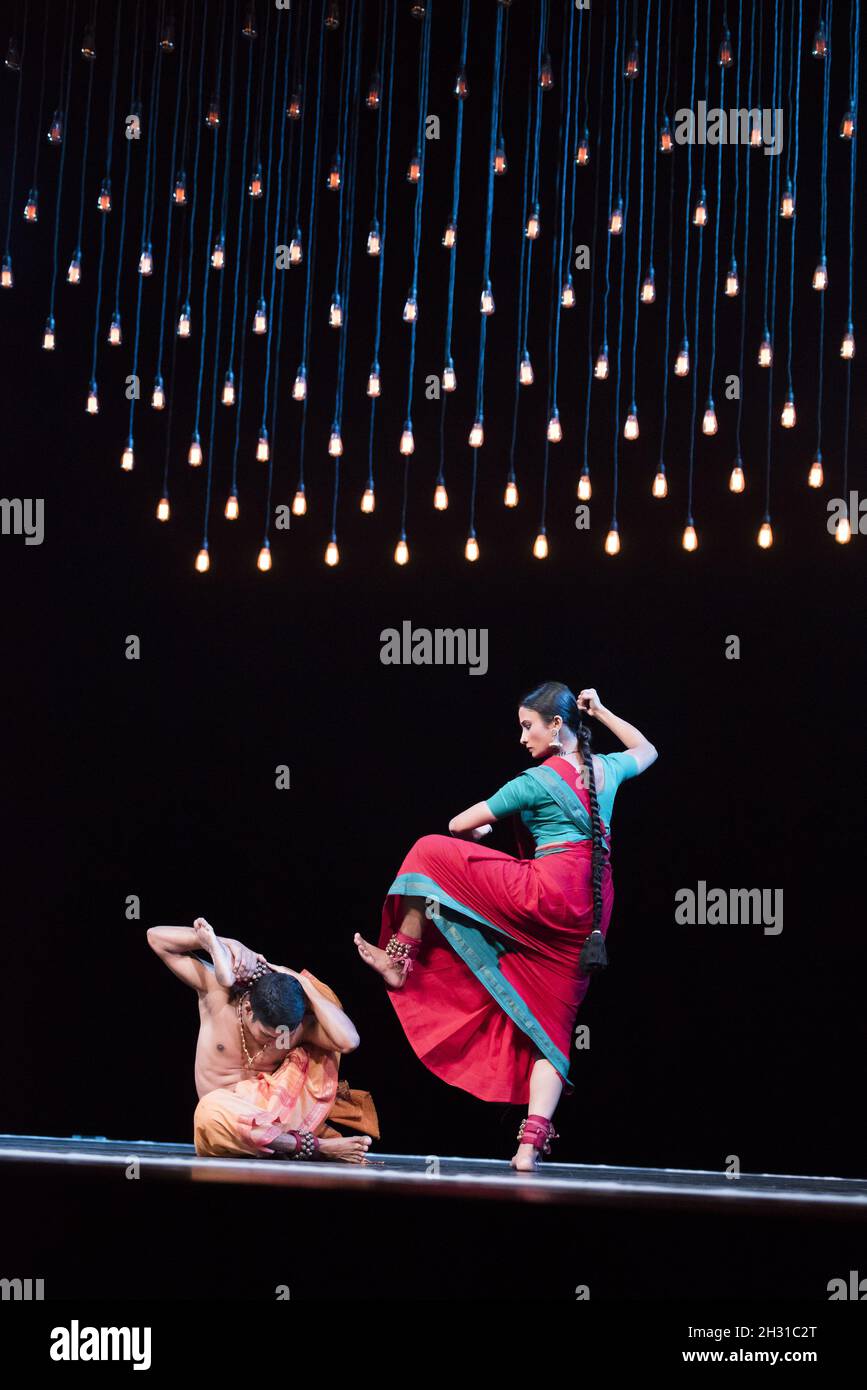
(270,1041)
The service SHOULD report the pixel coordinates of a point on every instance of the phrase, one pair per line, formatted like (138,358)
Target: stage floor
(434,1176)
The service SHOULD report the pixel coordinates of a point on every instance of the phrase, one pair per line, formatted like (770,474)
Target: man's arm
(329,1028)
(174,945)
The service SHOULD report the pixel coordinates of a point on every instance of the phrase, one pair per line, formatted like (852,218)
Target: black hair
(277,1000)
(550,699)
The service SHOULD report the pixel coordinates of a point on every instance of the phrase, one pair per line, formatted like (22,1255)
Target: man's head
(274,1005)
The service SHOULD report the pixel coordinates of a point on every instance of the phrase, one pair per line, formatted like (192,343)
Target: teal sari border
(482,957)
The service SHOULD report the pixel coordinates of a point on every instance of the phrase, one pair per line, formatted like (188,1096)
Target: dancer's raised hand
(589,703)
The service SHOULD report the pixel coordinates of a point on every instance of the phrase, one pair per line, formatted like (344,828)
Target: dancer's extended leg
(546,1087)
(411,926)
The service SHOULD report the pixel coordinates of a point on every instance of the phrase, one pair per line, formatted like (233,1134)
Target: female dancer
(486,957)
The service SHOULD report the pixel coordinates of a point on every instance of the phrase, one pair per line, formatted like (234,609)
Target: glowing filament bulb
(335,313)
(228,397)
(163,509)
(31,207)
(262,449)
(732,283)
(335,443)
(231,510)
(630,429)
(294,109)
(660,485)
(263,561)
(401,552)
(450,235)
(248,28)
(410,309)
(407,443)
(546,74)
(55,130)
(665,141)
(441,498)
(843,531)
(461,86)
(612,542)
(766,352)
(525,375)
(127,461)
(218,255)
(820,276)
(585,488)
(615,221)
(555,429)
(487,300)
(333,180)
(737,482)
(847,126)
(567,295)
(648,288)
(787,202)
(582,153)
(158,396)
(296,248)
(299,386)
(213,117)
(260,318)
(534,224)
(332,554)
(114,331)
(413,173)
(690,538)
(146,261)
(724,57)
(7,279)
(709,423)
(540,546)
(681,364)
(631,69)
(788,417)
(816,475)
(332,15)
(184,322)
(374,93)
(510,496)
(450,381)
(765,537)
(374,239)
(255,185)
(374,381)
(368,500)
(48,338)
(180,193)
(699,215)
(92,400)
(847,347)
(600,371)
(755,137)
(500,162)
(471,549)
(73,274)
(299,503)
(203,561)
(477,435)
(820,41)
(194,453)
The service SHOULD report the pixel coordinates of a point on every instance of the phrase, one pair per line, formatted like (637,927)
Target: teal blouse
(544,819)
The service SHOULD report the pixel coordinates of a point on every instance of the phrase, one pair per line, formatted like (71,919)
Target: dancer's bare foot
(380,962)
(526,1160)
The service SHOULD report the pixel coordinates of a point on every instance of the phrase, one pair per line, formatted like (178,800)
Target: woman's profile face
(536,734)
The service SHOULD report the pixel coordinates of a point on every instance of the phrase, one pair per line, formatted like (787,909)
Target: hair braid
(583,735)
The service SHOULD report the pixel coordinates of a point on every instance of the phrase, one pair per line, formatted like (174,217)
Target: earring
(555,742)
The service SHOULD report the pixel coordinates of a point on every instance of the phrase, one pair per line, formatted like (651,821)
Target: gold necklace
(250,1060)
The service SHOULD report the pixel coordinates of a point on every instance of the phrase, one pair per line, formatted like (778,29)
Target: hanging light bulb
(260,318)
(709,423)
(441,498)
(555,429)
(374,93)
(332,554)
(293,110)
(218,255)
(413,172)
(471,549)
(540,546)
(847,347)
(167,39)
(510,496)
(7,279)
(146,260)
(766,352)
(335,442)
(690,537)
(184,321)
(228,397)
(450,235)
(332,181)
(612,540)
(681,363)
(31,207)
(48,338)
(163,509)
(582,152)
(73,274)
(368,500)
(787,202)
(213,117)
(648,288)
(788,417)
(232,510)
(820,275)
(299,502)
(732,283)
(194,454)
(374,381)
(461,88)
(615,221)
(843,531)
(500,162)
(630,429)
(567,294)
(546,74)
(699,215)
(263,561)
(127,460)
(847,125)
(55,130)
(724,57)
(263,452)
(335,313)
(525,374)
(600,371)
(374,240)
(332,15)
(450,381)
(816,475)
(765,537)
(737,482)
(630,71)
(203,561)
(180,191)
(477,434)
(487,300)
(407,442)
(299,386)
(660,484)
(410,308)
(665,141)
(92,399)
(13,54)
(585,489)
(255,185)
(820,41)
(755,136)
(296,248)
(534,224)
(401,552)
(417,10)
(158,395)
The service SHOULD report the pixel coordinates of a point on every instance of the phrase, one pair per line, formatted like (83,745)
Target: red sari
(497,982)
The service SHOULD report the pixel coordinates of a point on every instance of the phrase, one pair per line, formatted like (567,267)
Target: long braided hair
(553,698)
